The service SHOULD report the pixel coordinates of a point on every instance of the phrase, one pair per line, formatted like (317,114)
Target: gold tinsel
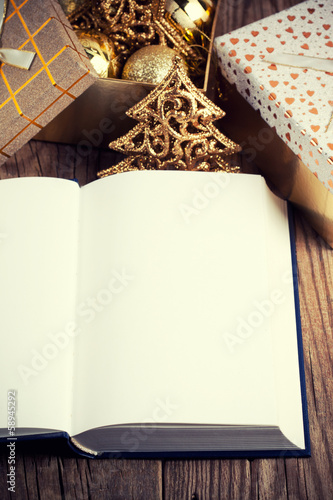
(175,130)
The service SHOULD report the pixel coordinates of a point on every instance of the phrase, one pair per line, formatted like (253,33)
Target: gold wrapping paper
(18,58)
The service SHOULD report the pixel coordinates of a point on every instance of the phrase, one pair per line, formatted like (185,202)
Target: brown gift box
(60,72)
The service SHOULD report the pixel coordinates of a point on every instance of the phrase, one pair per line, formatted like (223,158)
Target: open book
(151,313)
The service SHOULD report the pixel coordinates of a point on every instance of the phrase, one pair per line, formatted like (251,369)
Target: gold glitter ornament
(150,64)
(175,130)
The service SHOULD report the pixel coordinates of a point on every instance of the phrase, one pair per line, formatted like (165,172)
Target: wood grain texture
(49,476)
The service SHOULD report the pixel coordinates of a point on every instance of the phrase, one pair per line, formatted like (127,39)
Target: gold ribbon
(297,61)
(18,58)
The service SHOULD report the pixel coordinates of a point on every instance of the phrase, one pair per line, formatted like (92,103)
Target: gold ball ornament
(101,53)
(150,64)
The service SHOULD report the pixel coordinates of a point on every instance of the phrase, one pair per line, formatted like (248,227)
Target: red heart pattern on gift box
(296,101)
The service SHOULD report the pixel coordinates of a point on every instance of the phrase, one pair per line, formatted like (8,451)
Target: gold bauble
(150,64)
(101,53)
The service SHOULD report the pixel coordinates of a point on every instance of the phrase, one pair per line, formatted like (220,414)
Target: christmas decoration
(131,25)
(150,64)
(194,18)
(100,52)
(190,13)
(175,130)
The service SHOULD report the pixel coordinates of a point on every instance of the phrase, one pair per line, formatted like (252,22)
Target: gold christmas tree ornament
(175,130)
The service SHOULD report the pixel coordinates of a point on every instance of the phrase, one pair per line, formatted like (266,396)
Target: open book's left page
(38,258)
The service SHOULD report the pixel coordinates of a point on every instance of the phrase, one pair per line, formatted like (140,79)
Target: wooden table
(48,476)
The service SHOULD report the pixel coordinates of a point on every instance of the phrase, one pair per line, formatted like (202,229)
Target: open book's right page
(177,305)
(283,323)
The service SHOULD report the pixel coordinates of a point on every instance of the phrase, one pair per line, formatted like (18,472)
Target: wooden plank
(207,479)
(45,476)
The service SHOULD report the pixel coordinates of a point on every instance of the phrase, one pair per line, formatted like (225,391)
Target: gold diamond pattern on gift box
(59,73)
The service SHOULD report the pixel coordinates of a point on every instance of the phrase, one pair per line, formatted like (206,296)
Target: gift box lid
(293,95)
(60,71)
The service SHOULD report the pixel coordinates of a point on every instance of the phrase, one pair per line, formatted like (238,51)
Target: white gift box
(283,67)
